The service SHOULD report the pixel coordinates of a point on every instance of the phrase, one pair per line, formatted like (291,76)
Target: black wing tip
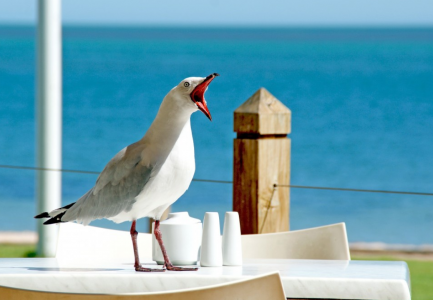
(56,219)
(42,215)
(53,219)
(69,205)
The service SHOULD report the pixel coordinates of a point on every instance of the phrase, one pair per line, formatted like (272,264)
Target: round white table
(315,279)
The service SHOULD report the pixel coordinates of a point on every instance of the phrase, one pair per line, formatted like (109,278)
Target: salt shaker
(231,241)
(211,252)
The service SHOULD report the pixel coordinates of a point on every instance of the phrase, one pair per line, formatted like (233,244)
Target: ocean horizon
(361,102)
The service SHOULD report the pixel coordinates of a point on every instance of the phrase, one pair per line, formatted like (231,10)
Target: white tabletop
(301,278)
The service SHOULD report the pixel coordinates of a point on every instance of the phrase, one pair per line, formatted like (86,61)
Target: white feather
(143,179)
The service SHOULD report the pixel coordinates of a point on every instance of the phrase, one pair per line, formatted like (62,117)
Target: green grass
(421,276)
(11,250)
(422,279)
(421,272)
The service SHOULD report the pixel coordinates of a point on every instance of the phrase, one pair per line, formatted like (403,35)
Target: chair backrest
(325,242)
(87,242)
(262,287)
(78,241)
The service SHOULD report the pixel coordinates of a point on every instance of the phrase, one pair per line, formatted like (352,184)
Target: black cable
(47,169)
(230,182)
(352,190)
(91,172)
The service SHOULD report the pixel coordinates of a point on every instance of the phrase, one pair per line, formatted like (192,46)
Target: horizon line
(233,25)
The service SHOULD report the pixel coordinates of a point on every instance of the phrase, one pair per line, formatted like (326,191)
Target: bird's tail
(55,216)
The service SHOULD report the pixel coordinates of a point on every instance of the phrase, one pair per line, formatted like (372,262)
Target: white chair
(87,242)
(325,242)
(262,287)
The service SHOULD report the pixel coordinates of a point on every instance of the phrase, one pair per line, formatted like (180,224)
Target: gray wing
(115,190)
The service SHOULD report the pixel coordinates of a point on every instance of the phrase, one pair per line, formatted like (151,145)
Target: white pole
(49,118)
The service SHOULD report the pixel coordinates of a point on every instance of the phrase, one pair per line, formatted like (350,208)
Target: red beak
(197,95)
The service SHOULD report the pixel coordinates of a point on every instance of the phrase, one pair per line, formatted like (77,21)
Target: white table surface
(301,278)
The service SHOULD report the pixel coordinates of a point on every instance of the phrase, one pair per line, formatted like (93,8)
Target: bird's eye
(186,84)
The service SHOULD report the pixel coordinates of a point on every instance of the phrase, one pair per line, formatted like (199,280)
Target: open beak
(197,95)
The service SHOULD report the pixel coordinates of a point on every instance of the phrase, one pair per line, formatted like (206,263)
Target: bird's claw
(173,268)
(142,269)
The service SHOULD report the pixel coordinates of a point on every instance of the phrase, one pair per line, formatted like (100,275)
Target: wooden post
(261,159)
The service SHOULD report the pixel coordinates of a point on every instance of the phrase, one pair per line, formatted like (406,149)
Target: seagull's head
(193,88)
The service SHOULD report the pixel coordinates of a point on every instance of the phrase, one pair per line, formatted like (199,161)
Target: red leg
(167,262)
(137,265)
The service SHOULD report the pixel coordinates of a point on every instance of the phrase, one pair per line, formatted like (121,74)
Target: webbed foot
(142,269)
(173,268)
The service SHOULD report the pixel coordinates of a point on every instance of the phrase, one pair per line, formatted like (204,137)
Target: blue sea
(361,102)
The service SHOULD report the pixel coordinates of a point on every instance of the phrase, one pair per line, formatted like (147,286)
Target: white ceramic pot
(181,235)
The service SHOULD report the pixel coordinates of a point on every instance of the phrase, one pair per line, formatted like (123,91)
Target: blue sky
(231,12)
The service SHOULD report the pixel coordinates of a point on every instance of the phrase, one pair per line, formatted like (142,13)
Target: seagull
(146,177)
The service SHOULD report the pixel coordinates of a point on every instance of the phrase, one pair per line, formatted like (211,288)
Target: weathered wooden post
(261,160)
